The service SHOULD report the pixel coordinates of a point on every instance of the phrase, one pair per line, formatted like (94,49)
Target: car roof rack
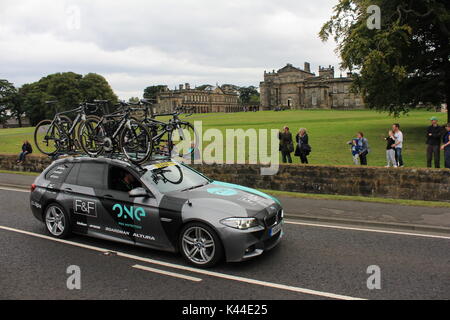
(114,156)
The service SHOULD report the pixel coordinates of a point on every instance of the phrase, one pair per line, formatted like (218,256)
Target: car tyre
(57,221)
(200,245)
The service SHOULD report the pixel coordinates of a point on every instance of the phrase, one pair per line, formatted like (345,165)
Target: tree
(4,116)
(249,95)
(402,64)
(7,93)
(94,86)
(134,100)
(68,89)
(151,92)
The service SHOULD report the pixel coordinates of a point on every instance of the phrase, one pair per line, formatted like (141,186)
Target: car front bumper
(241,245)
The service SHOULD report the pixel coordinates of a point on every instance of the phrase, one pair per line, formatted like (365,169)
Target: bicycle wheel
(172,177)
(67,141)
(47,137)
(76,132)
(184,140)
(91,136)
(136,142)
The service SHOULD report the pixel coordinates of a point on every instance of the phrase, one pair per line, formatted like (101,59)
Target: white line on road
(167,273)
(368,230)
(191,269)
(14,189)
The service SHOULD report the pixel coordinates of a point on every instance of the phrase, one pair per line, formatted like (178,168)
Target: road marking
(368,230)
(191,269)
(167,273)
(14,189)
(330,226)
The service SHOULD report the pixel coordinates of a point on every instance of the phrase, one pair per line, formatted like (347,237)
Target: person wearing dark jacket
(286,145)
(26,149)
(390,150)
(364,149)
(434,136)
(446,146)
(303,149)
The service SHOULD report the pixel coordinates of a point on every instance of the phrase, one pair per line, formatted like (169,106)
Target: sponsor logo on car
(85,207)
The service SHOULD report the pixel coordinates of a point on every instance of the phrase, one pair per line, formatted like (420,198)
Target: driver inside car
(126,181)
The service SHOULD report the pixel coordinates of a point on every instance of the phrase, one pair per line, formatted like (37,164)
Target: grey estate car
(163,205)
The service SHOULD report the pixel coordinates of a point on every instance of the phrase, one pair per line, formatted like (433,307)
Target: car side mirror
(138,192)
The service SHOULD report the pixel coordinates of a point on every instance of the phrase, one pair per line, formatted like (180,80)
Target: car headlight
(240,223)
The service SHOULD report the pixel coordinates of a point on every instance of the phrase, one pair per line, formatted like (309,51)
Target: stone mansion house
(295,88)
(203,99)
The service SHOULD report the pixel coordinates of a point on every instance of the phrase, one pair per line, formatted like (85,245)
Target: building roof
(289,68)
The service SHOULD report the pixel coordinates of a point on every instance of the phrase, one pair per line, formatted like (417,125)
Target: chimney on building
(181,87)
(188,86)
(307,67)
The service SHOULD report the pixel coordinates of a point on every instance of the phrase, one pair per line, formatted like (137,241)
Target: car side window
(73,174)
(91,175)
(58,173)
(120,179)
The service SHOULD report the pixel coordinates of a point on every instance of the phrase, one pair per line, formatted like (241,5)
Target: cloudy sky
(136,43)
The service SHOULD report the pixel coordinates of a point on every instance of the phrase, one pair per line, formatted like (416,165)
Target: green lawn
(328,131)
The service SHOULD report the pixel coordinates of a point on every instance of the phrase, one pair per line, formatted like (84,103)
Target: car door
(131,218)
(81,188)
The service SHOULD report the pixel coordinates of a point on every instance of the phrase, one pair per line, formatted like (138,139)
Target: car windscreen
(171,176)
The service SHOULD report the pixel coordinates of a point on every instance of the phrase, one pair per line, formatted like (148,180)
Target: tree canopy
(7,96)
(249,95)
(67,88)
(151,91)
(404,63)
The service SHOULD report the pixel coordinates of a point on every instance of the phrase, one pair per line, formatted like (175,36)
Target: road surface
(314,261)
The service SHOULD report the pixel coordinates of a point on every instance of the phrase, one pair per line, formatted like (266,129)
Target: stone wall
(33,163)
(401,183)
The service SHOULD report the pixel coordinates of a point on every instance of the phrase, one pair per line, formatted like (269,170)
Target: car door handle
(108,196)
(68,189)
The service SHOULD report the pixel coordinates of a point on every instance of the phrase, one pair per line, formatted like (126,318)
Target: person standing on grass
(390,151)
(26,149)
(286,145)
(446,146)
(303,148)
(398,145)
(363,148)
(355,150)
(434,136)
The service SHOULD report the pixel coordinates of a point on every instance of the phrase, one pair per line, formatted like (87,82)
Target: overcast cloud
(136,43)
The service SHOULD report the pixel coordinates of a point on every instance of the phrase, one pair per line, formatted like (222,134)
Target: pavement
(361,213)
(311,262)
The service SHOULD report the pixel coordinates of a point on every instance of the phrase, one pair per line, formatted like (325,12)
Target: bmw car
(163,205)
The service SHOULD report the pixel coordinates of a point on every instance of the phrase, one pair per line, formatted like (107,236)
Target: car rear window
(58,173)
